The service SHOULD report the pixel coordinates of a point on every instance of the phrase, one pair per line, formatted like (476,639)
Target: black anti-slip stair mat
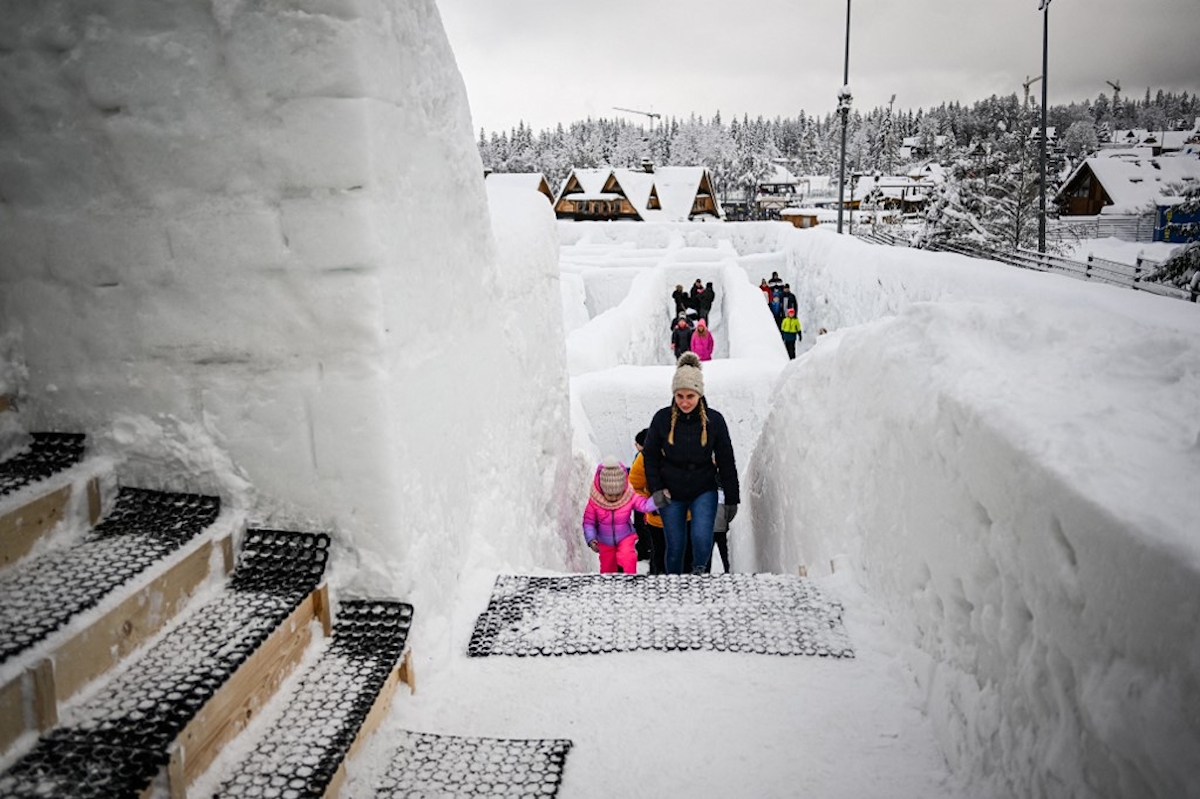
(47,454)
(427,765)
(300,754)
(603,613)
(113,744)
(40,595)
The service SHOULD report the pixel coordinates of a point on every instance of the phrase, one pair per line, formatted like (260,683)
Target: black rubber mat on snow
(114,743)
(47,453)
(304,747)
(600,613)
(41,595)
(429,765)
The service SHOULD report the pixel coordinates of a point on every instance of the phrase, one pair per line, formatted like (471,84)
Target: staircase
(133,651)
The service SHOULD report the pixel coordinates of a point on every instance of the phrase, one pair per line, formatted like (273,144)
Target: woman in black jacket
(687,447)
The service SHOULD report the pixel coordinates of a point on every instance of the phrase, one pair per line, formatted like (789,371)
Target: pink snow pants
(624,554)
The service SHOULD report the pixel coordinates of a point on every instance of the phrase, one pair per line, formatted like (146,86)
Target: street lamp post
(844,110)
(1044,7)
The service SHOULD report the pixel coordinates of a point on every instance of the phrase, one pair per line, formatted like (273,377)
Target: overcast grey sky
(549,61)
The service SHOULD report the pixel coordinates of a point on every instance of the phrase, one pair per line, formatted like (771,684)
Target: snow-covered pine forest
(740,152)
(987,153)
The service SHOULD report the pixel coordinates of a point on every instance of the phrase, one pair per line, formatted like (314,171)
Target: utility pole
(844,110)
(1044,7)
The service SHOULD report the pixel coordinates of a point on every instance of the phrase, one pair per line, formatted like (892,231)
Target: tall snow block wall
(242,226)
(1015,510)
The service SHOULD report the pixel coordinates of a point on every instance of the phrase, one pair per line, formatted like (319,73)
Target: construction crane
(653,116)
(1029,82)
(1116,87)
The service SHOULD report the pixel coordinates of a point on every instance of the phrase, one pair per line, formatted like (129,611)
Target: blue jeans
(675,526)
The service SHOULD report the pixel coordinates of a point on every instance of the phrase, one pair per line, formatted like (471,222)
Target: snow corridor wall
(231,236)
(1020,518)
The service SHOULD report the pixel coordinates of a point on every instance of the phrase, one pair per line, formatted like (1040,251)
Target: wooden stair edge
(34,513)
(43,680)
(401,673)
(244,695)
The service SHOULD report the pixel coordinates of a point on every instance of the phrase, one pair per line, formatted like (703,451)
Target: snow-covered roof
(534,181)
(594,195)
(527,180)
(1165,139)
(780,175)
(1133,183)
(677,188)
(637,185)
(592,180)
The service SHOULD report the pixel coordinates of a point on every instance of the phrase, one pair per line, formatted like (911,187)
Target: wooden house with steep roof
(667,194)
(1126,183)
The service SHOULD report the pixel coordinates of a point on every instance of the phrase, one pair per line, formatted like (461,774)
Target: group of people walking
(782,303)
(689,329)
(684,479)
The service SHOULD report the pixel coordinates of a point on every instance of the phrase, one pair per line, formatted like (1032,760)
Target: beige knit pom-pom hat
(688,375)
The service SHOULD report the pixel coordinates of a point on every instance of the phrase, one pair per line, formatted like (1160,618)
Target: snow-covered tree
(1080,141)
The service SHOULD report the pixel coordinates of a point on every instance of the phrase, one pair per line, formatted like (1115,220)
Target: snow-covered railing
(1110,272)
(881,236)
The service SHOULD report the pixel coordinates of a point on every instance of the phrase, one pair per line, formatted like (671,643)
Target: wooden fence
(1130,276)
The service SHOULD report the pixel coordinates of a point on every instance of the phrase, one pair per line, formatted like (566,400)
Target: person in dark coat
(687,448)
(787,301)
(694,296)
(707,298)
(681,338)
(681,299)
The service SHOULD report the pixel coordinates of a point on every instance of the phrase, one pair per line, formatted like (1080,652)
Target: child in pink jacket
(607,518)
(702,341)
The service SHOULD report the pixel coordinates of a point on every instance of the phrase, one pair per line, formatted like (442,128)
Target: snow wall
(230,239)
(1008,462)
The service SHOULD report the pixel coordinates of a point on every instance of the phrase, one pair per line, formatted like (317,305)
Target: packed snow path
(687,723)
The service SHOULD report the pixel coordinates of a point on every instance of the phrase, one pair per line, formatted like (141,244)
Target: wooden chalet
(1125,183)
(595,194)
(667,194)
(535,181)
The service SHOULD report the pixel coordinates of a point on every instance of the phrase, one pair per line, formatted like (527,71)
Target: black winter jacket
(686,467)
(681,340)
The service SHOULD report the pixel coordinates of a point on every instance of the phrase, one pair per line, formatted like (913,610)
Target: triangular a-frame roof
(684,192)
(668,194)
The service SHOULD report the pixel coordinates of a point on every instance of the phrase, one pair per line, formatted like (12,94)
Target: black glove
(730,512)
(661,498)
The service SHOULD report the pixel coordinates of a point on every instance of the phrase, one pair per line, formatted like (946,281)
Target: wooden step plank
(105,643)
(23,527)
(27,704)
(379,711)
(243,696)
(53,679)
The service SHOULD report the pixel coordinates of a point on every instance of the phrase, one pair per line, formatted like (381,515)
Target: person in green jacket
(789,328)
